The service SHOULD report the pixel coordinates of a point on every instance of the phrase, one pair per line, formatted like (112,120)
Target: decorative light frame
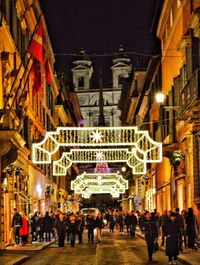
(134,158)
(96,137)
(95,183)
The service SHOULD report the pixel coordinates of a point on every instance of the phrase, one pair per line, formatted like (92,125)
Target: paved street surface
(115,249)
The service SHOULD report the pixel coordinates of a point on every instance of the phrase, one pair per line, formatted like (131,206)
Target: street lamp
(160,97)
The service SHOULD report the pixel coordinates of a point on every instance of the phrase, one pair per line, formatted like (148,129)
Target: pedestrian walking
(133,223)
(99,226)
(72,229)
(164,219)
(80,228)
(33,224)
(112,223)
(60,226)
(184,214)
(180,225)
(48,225)
(191,229)
(90,226)
(40,227)
(24,230)
(172,236)
(16,225)
(127,222)
(151,235)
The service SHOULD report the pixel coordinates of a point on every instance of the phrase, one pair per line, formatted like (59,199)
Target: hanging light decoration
(95,183)
(97,137)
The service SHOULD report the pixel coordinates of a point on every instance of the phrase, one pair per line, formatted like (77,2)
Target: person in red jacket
(24,231)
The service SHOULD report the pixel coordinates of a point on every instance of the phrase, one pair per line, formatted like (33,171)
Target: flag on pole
(36,47)
(37,83)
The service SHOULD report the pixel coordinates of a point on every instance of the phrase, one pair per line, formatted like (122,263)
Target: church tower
(121,68)
(82,72)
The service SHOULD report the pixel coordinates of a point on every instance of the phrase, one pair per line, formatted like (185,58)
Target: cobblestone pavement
(115,249)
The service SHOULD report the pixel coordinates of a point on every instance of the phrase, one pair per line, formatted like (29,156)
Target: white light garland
(97,137)
(91,183)
(134,158)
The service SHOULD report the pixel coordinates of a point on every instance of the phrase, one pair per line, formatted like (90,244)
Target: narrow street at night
(99,132)
(115,248)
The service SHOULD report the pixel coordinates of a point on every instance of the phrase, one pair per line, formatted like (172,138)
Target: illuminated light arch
(96,137)
(93,183)
(134,158)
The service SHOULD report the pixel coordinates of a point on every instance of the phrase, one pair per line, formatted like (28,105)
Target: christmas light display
(134,158)
(94,183)
(97,137)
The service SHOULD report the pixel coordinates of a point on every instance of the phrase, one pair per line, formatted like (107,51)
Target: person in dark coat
(180,224)
(33,224)
(191,229)
(48,225)
(133,223)
(127,222)
(151,234)
(112,223)
(164,219)
(60,226)
(16,225)
(90,226)
(99,226)
(40,227)
(72,229)
(172,236)
(80,228)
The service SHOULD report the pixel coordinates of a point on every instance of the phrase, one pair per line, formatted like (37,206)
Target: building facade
(26,114)
(89,96)
(174,122)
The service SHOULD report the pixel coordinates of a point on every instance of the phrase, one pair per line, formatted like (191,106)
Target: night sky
(99,26)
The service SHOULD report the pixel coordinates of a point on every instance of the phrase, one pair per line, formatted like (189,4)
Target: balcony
(190,96)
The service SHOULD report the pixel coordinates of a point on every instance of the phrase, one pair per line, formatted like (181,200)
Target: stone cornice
(12,136)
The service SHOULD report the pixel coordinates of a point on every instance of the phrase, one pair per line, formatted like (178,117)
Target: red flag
(36,70)
(48,72)
(36,47)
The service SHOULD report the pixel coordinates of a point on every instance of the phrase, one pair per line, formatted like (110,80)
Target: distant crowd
(175,229)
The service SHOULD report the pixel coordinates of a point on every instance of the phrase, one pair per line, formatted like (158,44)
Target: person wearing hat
(172,236)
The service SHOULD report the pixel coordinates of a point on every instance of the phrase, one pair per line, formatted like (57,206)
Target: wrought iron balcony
(190,94)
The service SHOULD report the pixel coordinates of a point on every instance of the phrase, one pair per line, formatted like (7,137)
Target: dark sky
(99,26)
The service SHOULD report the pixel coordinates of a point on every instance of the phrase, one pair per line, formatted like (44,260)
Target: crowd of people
(174,229)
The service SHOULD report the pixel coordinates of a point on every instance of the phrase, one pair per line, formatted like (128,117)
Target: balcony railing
(190,93)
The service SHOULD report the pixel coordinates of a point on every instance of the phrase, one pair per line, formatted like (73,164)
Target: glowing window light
(105,136)
(134,159)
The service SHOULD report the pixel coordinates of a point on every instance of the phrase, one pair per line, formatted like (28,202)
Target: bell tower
(82,72)
(121,68)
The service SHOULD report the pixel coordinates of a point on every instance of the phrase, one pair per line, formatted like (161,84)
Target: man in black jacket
(16,225)
(151,234)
